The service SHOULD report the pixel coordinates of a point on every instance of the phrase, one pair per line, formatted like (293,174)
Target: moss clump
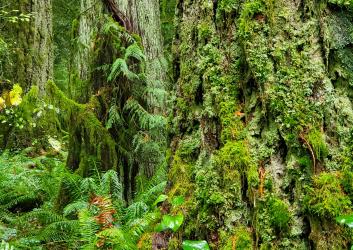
(317,141)
(347,183)
(250,9)
(234,154)
(189,147)
(279,213)
(145,241)
(173,244)
(241,239)
(326,197)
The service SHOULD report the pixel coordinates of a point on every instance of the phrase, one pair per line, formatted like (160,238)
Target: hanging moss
(91,146)
(317,142)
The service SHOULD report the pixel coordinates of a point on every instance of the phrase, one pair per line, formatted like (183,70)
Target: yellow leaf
(2,104)
(15,95)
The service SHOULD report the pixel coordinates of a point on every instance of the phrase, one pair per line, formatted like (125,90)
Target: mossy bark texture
(144,18)
(262,122)
(32,43)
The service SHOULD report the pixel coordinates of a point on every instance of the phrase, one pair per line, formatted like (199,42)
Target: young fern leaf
(114,118)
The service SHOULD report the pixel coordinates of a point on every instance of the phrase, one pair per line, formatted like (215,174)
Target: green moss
(317,141)
(279,213)
(253,176)
(241,239)
(347,183)
(234,155)
(228,5)
(250,8)
(91,145)
(326,197)
(145,242)
(190,146)
(305,161)
(180,174)
(174,244)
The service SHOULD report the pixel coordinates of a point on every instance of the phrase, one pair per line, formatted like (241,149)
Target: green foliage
(250,8)
(317,142)
(346,220)
(346,3)
(195,245)
(160,199)
(96,216)
(120,65)
(240,238)
(326,198)
(172,222)
(228,5)
(279,212)
(234,155)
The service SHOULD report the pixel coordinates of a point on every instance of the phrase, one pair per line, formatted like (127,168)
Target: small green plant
(346,220)
(195,245)
(172,222)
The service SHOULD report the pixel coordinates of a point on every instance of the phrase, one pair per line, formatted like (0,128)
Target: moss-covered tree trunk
(262,128)
(32,43)
(144,18)
(95,50)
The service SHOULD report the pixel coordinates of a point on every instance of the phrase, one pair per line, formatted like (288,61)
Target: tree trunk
(33,60)
(94,49)
(260,140)
(144,18)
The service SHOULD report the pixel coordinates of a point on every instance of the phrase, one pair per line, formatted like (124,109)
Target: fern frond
(143,118)
(89,185)
(114,117)
(75,207)
(60,231)
(152,193)
(120,67)
(136,210)
(111,185)
(118,238)
(134,51)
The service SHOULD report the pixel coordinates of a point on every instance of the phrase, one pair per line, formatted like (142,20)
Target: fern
(75,207)
(120,67)
(111,185)
(60,231)
(136,210)
(144,119)
(114,118)
(134,51)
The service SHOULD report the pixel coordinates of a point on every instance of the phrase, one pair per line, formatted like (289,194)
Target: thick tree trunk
(87,80)
(144,18)
(261,135)
(33,61)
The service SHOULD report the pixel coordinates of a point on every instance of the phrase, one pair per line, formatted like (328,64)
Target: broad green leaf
(178,201)
(160,199)
(195,245)
(170,222)
(346,219)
